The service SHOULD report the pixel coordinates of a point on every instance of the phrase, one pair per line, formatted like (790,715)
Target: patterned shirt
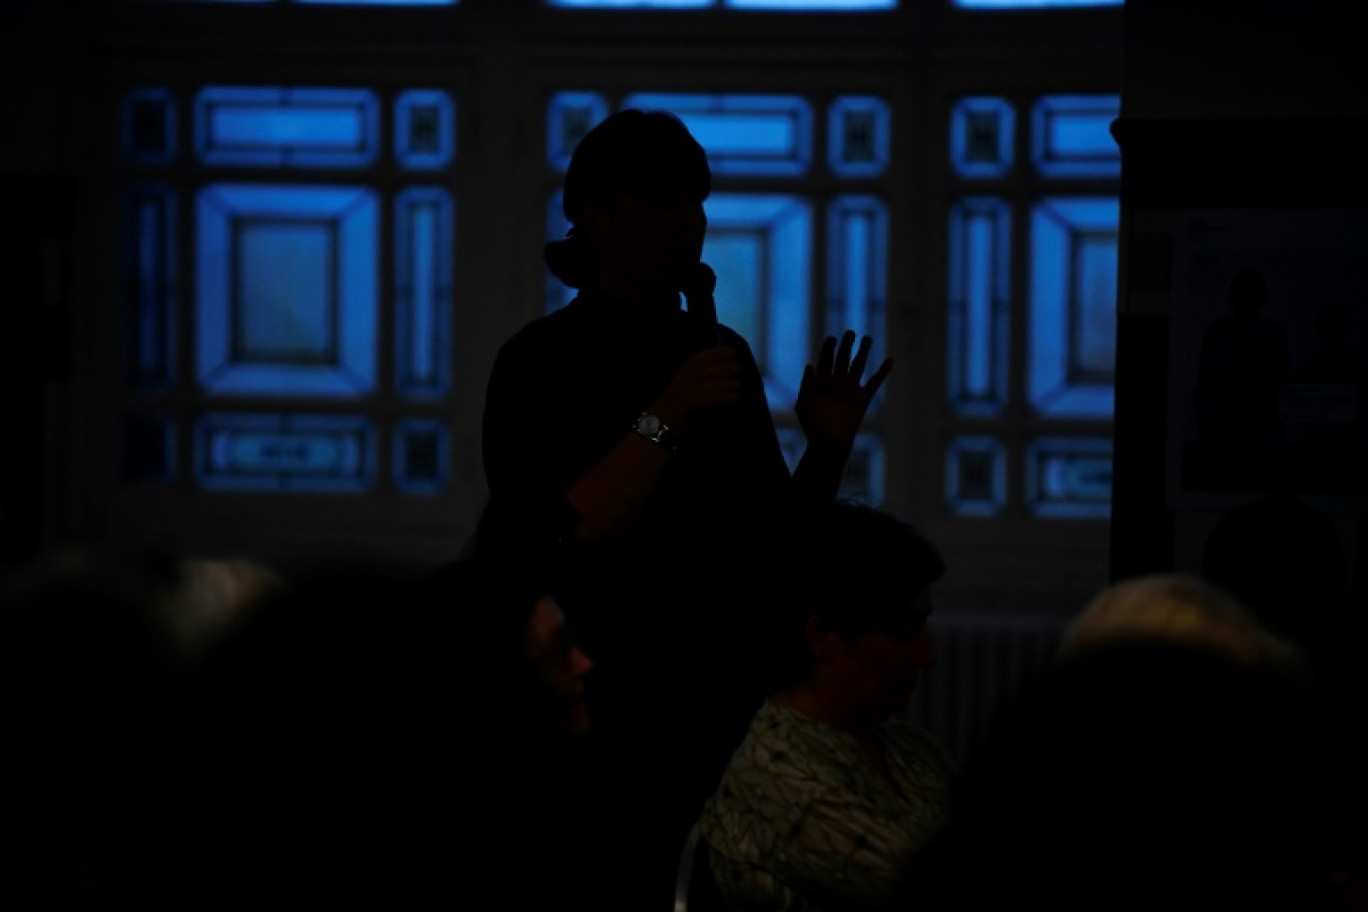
(802,822)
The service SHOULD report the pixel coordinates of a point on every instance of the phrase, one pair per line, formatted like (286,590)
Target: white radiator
(980,662)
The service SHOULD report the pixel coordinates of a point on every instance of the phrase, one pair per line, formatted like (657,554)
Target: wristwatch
(653,429)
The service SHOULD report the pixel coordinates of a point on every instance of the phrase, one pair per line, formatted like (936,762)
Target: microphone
(698,296)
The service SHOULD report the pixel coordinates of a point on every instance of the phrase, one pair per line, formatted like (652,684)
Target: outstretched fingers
(877,378)
(843,351)
(857,364)
(845,360)
(826,356)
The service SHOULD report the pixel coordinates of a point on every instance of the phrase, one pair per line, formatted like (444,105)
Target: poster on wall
(1268,357)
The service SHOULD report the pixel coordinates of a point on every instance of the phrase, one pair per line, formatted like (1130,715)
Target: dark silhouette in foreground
(635,436)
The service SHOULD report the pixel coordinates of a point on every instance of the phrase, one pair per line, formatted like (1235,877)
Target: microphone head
(700,280)
(698,292)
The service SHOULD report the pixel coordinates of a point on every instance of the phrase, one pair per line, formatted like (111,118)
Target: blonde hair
(1176,608)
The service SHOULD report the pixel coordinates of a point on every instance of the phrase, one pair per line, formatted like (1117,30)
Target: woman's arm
(612,493)
(832,402)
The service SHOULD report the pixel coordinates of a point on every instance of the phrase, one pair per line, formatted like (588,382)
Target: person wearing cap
(633,434)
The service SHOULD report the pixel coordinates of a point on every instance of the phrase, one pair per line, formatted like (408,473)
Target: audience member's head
(1160,762)
(343,721)
(96,644)
(855,618)
(320,720)
(1181,609)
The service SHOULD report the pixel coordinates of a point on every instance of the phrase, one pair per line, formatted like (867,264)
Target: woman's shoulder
(910,736)
(546,326)
(542,341)
(570,329)
(791,750)
(733,338)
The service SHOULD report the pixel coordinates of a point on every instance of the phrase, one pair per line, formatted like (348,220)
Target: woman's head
(861,602)
(638,152)
(634,195)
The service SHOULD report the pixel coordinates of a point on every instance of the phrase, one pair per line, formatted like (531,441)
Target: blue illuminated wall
(301,322)
(289,307)
(1064,368)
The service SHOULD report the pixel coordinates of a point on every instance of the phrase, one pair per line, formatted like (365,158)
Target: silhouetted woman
(636,434)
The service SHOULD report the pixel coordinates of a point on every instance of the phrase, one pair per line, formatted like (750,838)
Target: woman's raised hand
(833,398)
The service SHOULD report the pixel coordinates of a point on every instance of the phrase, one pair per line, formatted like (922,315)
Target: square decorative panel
(976,476)
(858,131)
(981,137)
(149,126)
(286,289)
(424,129)
(422,450)
(1073,306)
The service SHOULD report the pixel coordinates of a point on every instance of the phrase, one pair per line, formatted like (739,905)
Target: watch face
(648,424)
